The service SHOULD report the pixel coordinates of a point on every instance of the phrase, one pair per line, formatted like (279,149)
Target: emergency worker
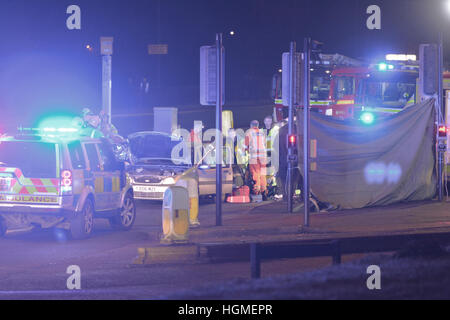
(272,142)
(91,127)
(255,143)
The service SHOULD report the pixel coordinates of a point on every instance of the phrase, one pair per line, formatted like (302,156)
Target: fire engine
(373,91)
(322,66)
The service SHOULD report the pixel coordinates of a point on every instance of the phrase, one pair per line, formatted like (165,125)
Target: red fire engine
(321,70)
(379,89)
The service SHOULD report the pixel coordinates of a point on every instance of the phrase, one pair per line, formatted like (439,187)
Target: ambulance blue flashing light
(367,118)
(60,130)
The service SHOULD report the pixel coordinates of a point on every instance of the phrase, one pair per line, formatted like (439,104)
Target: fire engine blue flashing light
(367,117)
(384,66)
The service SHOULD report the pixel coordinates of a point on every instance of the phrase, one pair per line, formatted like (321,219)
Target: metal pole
(442,112)
(106,85)
(306,141)
(290,125)
(219,131)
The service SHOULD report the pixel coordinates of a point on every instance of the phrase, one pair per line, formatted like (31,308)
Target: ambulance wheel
(82,224)
(127,215)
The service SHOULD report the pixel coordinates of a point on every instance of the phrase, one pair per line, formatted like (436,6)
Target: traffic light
(442,131)
(292,141)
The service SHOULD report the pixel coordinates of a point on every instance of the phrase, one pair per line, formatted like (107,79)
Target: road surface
(33,265)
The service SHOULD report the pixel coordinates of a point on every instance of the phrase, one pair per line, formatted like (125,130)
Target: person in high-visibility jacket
(272,142)
(255,144)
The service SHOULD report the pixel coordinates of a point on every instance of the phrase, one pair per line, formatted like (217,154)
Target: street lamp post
(106,45)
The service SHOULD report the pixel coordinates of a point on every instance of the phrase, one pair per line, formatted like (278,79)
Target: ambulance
(57,178)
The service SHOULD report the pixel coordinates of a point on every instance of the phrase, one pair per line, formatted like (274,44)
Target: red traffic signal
(292,141)
(442,131)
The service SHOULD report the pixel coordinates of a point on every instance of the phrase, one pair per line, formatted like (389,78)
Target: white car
(153,170)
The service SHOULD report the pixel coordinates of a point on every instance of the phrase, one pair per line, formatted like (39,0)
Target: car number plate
(149,189)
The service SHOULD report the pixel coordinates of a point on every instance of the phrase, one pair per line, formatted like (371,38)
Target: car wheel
(127,215)
(82,224)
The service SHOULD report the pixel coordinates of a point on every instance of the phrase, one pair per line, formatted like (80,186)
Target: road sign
(106,46)
(298,78)
(158,49)
(208,75)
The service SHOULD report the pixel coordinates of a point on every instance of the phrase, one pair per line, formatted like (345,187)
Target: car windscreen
(34,159)
(152,146)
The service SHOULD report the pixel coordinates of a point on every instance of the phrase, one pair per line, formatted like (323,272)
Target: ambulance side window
(107,155)
(76,155)
(92,154)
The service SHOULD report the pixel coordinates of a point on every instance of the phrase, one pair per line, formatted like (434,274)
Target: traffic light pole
(441,145)
(219,135)
(290,191)
(306,138)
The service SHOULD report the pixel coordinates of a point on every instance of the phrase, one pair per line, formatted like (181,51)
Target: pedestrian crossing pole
(441,146)
(292,87)
(219,135)
(306,123)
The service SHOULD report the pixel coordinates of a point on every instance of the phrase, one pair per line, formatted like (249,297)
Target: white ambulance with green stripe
(59,179)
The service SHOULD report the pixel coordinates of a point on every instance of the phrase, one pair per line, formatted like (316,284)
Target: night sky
(44,66)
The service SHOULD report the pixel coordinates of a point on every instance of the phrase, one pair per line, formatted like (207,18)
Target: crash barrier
(335,248)
(240,195)
(175,215)
(191,185)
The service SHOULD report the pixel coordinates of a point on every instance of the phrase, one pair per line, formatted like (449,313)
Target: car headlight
(168,181)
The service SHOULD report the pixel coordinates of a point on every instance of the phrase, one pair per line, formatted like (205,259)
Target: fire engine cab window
(34,159)
(389,93)
(344,86)
(92,154)
(76,155)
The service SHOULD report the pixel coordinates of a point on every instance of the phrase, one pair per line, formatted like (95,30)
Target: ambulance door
(111,175)
(96,176)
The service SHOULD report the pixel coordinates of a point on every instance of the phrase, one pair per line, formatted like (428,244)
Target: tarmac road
(33,265)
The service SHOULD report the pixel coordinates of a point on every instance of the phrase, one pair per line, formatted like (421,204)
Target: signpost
(212,92)
(106,46)
(291,97)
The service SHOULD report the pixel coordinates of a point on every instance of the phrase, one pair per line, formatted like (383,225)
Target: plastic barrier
(240,195)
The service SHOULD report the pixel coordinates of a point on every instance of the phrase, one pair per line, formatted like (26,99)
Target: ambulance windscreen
(35,159)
